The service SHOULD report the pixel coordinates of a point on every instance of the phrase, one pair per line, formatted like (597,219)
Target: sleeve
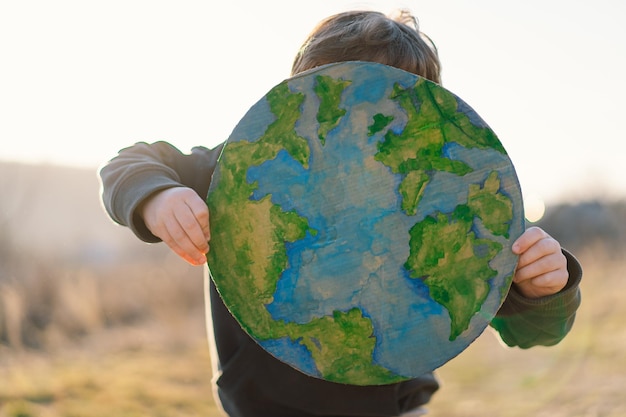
(143,169)
(527,322)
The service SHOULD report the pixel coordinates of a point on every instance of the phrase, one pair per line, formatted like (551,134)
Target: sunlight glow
(534,207)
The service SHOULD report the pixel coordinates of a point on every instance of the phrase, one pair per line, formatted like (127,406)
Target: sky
(81,79)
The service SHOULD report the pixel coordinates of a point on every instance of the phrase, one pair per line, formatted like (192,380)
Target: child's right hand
(180,218)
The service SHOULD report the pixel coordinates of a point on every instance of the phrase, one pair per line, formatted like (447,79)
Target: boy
(159,193)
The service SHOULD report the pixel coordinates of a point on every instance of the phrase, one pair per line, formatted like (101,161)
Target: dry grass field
(94,323)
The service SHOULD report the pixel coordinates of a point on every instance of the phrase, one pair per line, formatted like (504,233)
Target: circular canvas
(362,219)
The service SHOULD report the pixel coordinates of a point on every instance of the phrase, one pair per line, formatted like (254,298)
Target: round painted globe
(362,219)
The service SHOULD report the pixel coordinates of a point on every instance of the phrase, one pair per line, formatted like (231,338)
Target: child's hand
(542,267)
(180,218)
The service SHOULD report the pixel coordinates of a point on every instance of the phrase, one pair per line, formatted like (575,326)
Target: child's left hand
(542,267)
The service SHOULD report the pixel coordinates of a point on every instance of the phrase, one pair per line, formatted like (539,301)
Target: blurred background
(95,323)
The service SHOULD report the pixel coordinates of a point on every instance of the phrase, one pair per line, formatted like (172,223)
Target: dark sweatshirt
(254,383)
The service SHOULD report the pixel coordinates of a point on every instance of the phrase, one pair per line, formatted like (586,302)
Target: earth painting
(361,223)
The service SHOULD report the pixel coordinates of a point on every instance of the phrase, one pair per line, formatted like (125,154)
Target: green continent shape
(453,262)
(342,347)
(493,208)
(329,91)
(433,120)
(380,123)
(342,344)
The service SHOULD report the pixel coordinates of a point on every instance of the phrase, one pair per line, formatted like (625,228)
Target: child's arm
(158,192)
(541,305)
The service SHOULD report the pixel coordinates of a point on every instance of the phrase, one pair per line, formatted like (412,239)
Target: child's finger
(201,214)
(191,230)
(534,268)
(191,258)
(556,279)
(178,240)
(531,236)
(540,249)
(543,285)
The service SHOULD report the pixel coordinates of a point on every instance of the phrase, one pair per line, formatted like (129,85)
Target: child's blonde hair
(393,40)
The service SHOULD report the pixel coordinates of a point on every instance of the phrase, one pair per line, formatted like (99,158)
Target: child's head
(370,36)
